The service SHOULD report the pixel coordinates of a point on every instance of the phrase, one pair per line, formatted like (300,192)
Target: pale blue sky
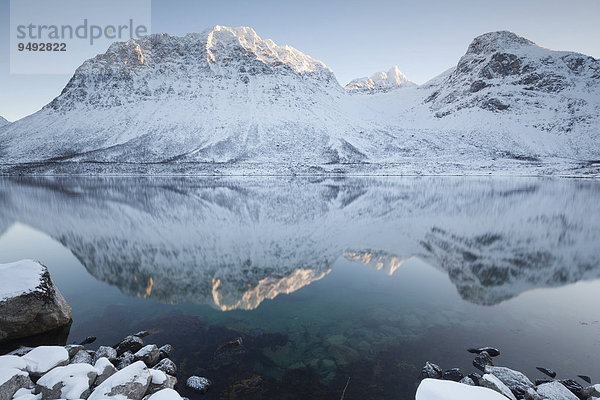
(354,38)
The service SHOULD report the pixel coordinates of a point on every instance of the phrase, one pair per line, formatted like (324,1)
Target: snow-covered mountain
(3,121)
(232,243)
(226,101)
(380,82)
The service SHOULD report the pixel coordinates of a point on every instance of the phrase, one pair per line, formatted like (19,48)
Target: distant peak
(497,41)
(380,81)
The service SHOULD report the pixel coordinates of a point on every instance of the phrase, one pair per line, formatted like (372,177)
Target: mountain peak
(497,41)
(379,82)
(3,121)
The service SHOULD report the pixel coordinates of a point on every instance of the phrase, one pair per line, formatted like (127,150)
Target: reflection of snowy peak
(235,243)
(380,82)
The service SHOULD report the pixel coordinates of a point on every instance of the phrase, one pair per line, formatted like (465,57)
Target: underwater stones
(336,340)
(493,352)
(431,370)
(198,384)
(547,372)
(343,355)
(482,360)
(131,343)
(228,353)
(585,378)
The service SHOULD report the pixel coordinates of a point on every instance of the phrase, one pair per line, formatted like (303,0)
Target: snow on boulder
(105,370)
(129,383)
(26,394)
(11,361)
(435,389)
(165,394)
(70,382)
(43,358)
(30,303)
(555,391)
(492,382)
(11,380)
(515,380)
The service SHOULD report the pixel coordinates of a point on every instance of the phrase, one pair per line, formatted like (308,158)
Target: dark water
(328,281)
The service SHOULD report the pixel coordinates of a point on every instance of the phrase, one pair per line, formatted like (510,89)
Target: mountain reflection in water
(232,243)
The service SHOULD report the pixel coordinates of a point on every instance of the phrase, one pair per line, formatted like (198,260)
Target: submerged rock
(198,383)
(555,391)
(70,382)
(30,303)
(431,370)
(585,378)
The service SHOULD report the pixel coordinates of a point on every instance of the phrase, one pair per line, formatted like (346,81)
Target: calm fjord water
(324,279)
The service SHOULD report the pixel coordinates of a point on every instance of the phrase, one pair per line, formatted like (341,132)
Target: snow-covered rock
(26,394)
(380,82)
(515,380)
(106,351)
(82,357)
(3,121)
(149,354)
(167,366)
(129,383)
(11,380)
(160,381)
(165,394)
(12,361)
(433,389)
(105,370)
(30,303)
(555,391)
(70,382)
(44,358)
(198,383)
(492,382)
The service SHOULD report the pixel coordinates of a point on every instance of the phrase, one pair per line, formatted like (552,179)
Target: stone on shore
(150,355)
(492,382)
(11,380)
(73,349)
(160,381)
(167,366)
(105,370)
(131,343)
(165,394)
(30,303)
(431,370)
(107,352)
(70,382)
(82,357)
(44,358)
(165,351)
(434,389)
(482,360)
(493,352)
(515,380)
(555,391)
(129,383)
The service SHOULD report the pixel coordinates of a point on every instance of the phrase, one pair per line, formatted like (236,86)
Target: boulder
(82,357)
(124,360)
(453,374)
(547,372)
(493,352)
(483,360)
(26,394)
(70,382)
(515,380)
(160,381)
(30,303)
(129,383)
(467,381)
(165,351)
(198,383)
(434,389)
(150,355)
(431,370)
(131,343)
(492,382)
(165,394)
(167,366)
(11,380)
(105,370)
(73,349)
(555,391)
(107,352)
(11,361)
(44,358)
(21,351)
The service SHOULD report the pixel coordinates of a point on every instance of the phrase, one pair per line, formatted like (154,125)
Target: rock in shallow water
(434,389)
(493,352)
(431,370)
(30,303)
(198,383)
(167,366)
(547,372)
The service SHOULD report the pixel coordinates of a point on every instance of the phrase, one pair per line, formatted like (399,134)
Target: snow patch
(434,389)
(19,278)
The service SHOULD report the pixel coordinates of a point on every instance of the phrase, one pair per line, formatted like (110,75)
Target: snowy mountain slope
(227,102)
(380,82)
(232,243)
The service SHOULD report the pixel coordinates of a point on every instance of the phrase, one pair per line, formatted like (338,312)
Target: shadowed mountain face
(234,243)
